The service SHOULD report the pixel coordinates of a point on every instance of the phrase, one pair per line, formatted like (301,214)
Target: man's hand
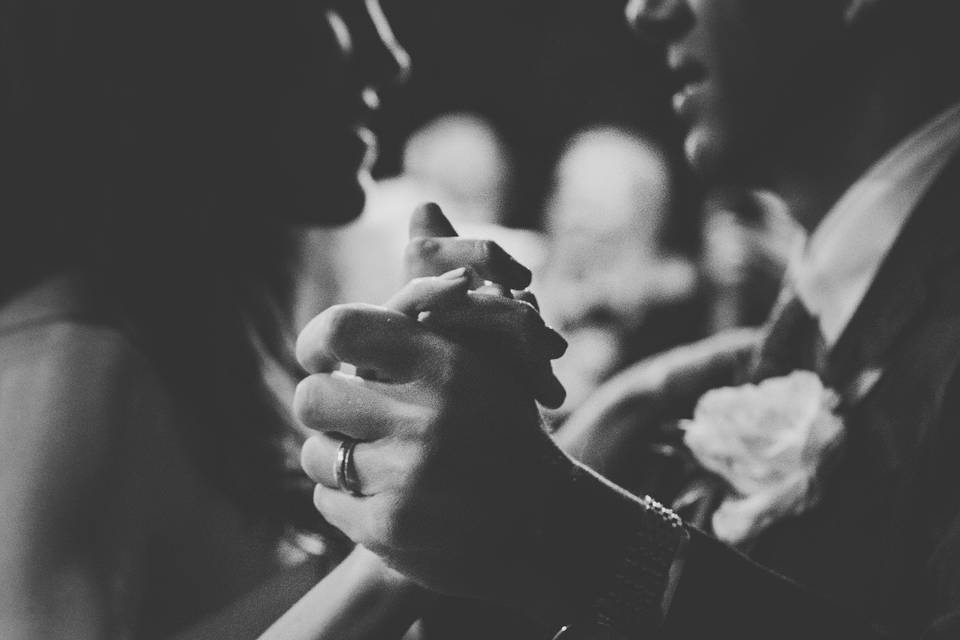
(498,317)
(452,462)
(452,479)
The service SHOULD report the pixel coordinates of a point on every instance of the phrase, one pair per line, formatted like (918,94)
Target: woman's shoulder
(64,357)
(69,380)
(78,406)
(56,345)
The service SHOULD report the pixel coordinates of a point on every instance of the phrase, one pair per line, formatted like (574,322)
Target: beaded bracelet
(638,588)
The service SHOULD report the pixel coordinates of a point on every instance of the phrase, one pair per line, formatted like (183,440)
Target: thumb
(428,221)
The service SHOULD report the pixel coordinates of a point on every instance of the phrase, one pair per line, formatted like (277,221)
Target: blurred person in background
(612,285)
(458,161)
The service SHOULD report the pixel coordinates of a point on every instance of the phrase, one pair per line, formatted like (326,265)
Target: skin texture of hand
(452,460)
(435,248)
(432,379)
(460,488)
(500,316)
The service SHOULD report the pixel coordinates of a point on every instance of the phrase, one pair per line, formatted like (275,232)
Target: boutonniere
(770,442)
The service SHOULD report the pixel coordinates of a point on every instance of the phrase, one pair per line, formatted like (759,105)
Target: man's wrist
(605,557)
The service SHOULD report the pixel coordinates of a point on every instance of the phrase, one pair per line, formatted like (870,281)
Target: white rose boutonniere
(769,442)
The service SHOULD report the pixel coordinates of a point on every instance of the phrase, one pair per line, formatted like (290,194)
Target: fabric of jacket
(879,557)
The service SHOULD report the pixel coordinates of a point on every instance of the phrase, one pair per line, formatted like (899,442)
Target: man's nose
(659,21)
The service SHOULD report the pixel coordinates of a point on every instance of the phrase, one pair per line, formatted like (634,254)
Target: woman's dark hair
(130,150)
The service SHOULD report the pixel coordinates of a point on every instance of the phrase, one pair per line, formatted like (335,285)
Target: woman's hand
(487,310)
(436,248)
(362,599)
(447,430)
(452,463)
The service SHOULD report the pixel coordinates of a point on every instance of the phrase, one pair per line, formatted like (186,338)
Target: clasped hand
(452,461)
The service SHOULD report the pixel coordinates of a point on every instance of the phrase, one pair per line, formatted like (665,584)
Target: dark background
(538,69)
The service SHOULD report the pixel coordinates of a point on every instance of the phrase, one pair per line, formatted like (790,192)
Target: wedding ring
(346,472)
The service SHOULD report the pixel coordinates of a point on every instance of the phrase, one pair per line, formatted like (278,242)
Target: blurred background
(546,126)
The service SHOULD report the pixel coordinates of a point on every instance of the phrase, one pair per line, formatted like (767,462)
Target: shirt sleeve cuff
(635,545)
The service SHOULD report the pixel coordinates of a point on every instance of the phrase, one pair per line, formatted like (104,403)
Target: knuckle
(420,249)
(304,403)
(333,322)
(488,250)
(311,459)
(321,331)
(306,345)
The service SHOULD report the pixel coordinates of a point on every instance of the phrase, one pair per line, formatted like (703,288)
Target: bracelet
(635,596)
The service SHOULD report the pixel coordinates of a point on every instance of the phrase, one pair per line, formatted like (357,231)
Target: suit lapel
(900,290)
(908,327)
(898,301)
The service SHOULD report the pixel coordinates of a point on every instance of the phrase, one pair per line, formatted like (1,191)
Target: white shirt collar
(833,271)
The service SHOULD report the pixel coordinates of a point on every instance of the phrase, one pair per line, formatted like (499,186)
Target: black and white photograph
(479,320)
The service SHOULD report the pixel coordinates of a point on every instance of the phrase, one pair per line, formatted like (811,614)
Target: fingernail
(552,394)
(456,274)
(557,344)
(524,277)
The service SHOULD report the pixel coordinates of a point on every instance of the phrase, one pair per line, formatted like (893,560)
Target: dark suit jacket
(880,555)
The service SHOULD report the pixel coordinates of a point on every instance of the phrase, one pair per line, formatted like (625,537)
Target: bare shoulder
(67,374)
(70,396)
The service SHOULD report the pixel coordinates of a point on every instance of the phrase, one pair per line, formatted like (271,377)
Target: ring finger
(374,469)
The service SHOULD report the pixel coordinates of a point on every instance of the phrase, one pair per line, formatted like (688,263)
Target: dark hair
(129,150)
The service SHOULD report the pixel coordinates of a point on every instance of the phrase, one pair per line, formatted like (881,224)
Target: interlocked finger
(430,256)
(377,339)
(426,294)
(513,329)
(517,321)
(348,405)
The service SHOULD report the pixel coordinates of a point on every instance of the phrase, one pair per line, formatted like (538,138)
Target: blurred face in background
(605,217)
(748,74)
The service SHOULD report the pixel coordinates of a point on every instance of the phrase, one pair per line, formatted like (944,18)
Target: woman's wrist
(377,572)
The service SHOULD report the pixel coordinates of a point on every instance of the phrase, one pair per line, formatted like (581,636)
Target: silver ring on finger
(346,471)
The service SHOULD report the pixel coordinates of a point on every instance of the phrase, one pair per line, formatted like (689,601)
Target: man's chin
(716,161)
